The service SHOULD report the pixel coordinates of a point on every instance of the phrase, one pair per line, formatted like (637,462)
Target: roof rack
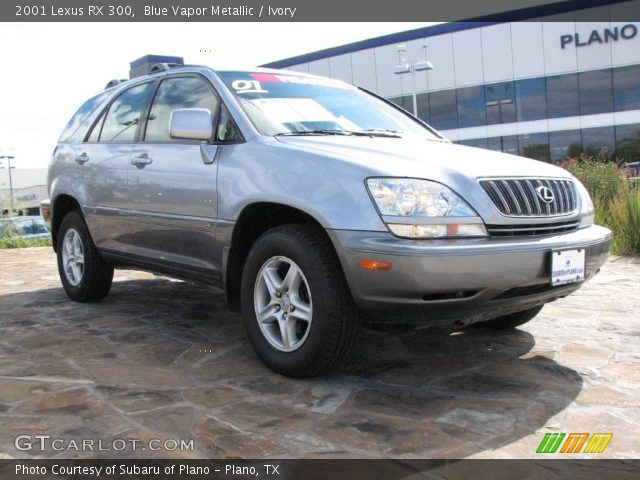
(114,82)
(161,67)
(153,64)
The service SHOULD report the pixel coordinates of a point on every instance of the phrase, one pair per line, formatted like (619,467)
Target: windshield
(289,104)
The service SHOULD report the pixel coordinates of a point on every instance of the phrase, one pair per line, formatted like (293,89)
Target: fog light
(450,230)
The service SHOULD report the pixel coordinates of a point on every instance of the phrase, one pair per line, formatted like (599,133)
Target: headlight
(586,205)
(424,209)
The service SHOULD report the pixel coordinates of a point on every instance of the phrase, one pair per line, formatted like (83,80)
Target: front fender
(328,189)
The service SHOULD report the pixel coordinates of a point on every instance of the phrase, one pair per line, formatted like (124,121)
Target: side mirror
(191,124)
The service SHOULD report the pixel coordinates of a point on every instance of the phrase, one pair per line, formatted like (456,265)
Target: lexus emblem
(545,194)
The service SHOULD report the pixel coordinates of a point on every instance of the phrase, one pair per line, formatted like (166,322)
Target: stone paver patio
(166,360)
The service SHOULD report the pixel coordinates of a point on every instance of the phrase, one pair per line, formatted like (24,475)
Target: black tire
(512,320)
(97,275)
(334,320)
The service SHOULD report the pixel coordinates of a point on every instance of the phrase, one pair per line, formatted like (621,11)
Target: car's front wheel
(85,276)
(298,311)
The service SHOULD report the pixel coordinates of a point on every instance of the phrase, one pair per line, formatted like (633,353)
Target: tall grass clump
(616,201)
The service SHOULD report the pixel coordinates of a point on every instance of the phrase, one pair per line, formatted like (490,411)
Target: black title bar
(304,10)
(584,469)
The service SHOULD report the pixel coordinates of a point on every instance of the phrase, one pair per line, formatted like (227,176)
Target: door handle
(141,160)
(82,158)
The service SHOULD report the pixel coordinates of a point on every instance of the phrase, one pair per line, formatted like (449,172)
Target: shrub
(622,216)
(601,178)
(616,202)
(19,242)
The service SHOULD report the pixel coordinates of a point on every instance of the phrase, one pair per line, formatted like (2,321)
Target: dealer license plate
(567,266)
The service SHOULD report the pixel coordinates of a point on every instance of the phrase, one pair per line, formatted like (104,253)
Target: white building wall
(363,64)
(467,58)
(440,52)
(501,52)
(527,49)
(497,57)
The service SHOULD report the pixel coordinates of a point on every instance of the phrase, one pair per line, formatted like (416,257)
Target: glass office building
(547,87)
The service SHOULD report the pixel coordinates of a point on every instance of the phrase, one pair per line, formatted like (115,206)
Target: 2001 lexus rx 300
(312,203)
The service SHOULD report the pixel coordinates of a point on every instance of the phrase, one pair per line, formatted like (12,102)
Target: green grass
(622,216)
(17,242)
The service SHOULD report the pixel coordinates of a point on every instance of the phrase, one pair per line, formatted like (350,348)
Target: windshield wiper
(378,132)
(314,132)
(359,133)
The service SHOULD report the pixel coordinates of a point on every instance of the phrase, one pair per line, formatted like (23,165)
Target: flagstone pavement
(161,362)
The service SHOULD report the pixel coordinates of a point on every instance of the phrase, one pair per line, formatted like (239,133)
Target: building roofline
(443,28)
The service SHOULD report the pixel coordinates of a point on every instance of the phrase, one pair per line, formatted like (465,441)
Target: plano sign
(606,35)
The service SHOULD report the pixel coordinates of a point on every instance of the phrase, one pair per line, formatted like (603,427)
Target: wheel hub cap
(282,301)
(73,257)
(286,303)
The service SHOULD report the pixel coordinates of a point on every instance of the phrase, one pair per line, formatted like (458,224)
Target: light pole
(9,167)
(412,67)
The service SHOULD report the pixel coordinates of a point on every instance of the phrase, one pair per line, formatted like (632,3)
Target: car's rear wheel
(85,276)
(299,315)
(512,320)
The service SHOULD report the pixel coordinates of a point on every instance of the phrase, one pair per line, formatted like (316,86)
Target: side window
(97,128)
(72,128)
(124,114)
(173,94)
(227,130)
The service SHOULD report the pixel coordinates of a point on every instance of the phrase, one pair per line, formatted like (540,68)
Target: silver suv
(315,205)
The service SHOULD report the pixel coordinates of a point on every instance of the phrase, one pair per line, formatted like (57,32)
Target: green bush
(600,177)
(622,216)
(19,242)
(617,203)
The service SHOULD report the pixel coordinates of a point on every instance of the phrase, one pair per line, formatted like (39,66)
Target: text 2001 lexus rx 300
(313,203)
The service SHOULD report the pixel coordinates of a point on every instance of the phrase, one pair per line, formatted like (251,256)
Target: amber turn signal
(374,265)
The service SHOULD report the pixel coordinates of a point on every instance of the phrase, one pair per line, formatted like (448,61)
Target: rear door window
(121,123)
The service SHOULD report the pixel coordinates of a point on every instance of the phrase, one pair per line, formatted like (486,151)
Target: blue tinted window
(423,107)
(173,94)
(628,143)
(531,99)
(594,140)
(596,92)
(564,144)
(121,122)
(534,145)
(500,103)
(476,142)
(626,88)
(562,96)
(405,102)
(442,106)
(73,127)
(508,144)
(471,107)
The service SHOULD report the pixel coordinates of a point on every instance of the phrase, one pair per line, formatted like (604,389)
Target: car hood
(433,159)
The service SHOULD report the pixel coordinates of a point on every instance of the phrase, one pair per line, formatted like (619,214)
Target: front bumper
(459,281)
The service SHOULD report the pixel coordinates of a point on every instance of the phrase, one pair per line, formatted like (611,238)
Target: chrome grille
(519,230)
(517,197)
